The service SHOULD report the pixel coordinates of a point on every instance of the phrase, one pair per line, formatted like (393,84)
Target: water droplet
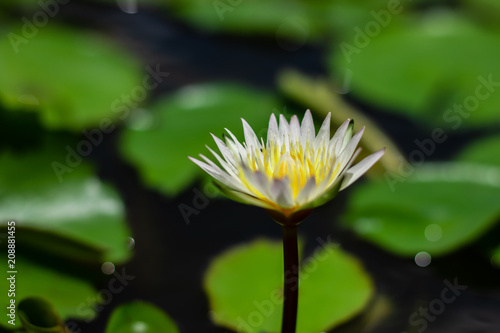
(131,243)
(423,259)
(140,327)
(140,120)
(28,99)
(433,232)
(108,268)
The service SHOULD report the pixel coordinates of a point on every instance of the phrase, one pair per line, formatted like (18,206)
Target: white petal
(228,155)
(347,135)
(307,129)
(251,139)
(272,131)
(306,192)
(245,198)
(218,174)
(325,187)
(284,130)
(294,129)
(345,155)
(258,180)
(338,137)
(231,169)
(282,193)
(359,169)
(237,146)
(324,132)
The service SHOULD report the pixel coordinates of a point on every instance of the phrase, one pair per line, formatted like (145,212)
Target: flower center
(295,162)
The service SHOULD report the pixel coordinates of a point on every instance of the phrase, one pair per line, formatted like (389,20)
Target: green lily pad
(484,151)
(140,317)
(39,316)
(438,209)
(244,286)
(440,69)
(484,10)
(34,4)
(495,258)
(71,296)
(72,79)
(260,17)
(298,22)
(159,141)
(74,209)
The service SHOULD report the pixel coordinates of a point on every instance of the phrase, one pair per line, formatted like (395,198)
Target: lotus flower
(294,171)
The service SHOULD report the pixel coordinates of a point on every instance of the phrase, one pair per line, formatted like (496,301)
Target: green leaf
(261,17)
(159,142)
(485,11)
(297,22)
(495,258)
(72,79)
(484,151)
(39,316)
(140,317)
(423,67)
(71,296)
(438,209)
(82,217)
(34,4)
(244,285)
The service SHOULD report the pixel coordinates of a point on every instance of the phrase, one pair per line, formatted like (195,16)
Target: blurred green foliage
(484,151)
(70,78)
(244,285)
(182,122)
(422,59)
(77,205)
(437,209)
(429,68)
(140,317)
(39,316)
(299,21)
(72,297)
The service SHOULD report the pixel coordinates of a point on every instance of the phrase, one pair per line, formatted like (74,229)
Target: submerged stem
(291,277)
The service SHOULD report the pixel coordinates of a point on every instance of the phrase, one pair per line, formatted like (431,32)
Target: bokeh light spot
(108,268)
(433,232)
(423,259)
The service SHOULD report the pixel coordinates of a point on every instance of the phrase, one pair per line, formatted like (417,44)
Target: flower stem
(291,277)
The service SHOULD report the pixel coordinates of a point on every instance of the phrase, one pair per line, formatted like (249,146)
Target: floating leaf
(245,284)
(39,316)
(51,7)
(74,209)
(140,317)
(441,69)
(298,22)
(159,142)
(261,17)
(71,296)
(438,209)
(74,80)
(485,10)
(484,151)
(495,258)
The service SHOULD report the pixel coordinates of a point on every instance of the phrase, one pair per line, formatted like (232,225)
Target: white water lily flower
(294,171)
